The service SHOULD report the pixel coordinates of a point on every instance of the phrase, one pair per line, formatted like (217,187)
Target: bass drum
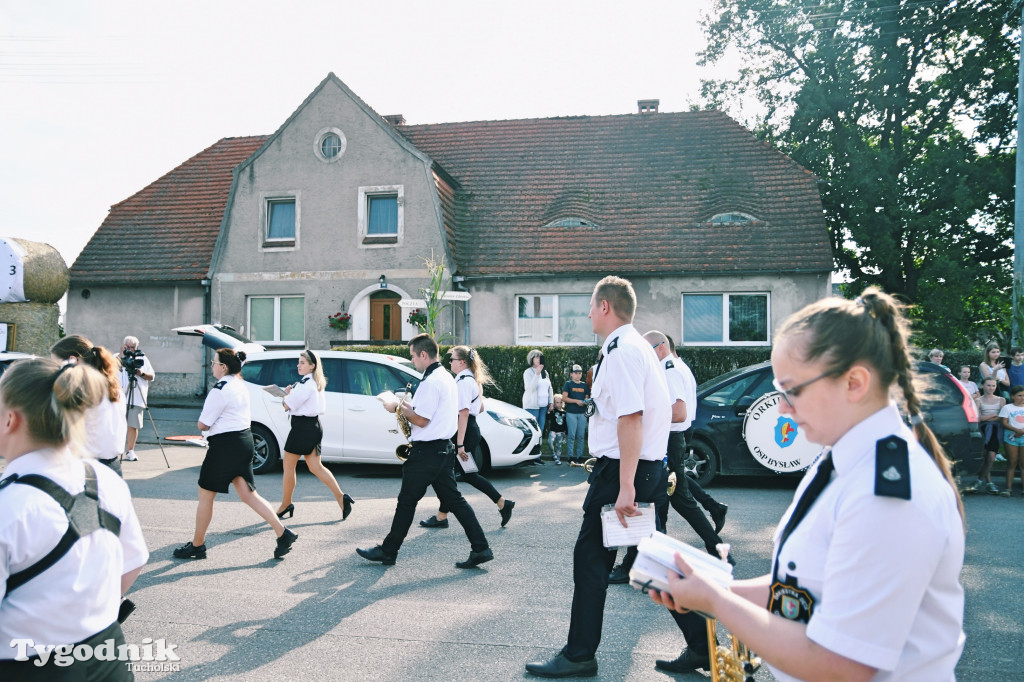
(775,440)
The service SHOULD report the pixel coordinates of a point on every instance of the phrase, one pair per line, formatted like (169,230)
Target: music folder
(638,527)
(656,558)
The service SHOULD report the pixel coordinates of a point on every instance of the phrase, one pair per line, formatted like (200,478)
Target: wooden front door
(385,319)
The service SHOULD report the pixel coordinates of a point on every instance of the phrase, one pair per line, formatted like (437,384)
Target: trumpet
(587,466)
(403,450)
(735,662)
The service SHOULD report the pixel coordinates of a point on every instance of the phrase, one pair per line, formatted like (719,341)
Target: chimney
(397,119)
(648,106)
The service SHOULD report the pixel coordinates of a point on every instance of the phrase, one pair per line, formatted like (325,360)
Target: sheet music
(275,390)
(469,466)
(655,561)
(638,527)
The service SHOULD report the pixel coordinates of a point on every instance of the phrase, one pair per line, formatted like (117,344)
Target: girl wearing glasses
(305,402)
(865,573)
(226,418)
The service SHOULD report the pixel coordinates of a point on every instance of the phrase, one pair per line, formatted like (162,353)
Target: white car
(357,428)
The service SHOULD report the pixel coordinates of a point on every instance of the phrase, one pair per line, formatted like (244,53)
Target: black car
(716,445)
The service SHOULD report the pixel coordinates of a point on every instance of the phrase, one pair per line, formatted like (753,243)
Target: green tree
(905,109)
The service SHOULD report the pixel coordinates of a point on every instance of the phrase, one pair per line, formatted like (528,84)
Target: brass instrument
(588,466)
(403,450)
(733,663)
(672,480)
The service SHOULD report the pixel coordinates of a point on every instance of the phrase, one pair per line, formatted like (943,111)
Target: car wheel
(266,455)
(482,456)
(701,463)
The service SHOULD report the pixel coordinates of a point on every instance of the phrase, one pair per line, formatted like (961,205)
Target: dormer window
(573,222)
(732,219)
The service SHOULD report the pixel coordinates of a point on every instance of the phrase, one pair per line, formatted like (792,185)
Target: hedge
(507,363)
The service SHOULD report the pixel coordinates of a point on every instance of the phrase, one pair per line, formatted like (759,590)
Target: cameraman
(134,362)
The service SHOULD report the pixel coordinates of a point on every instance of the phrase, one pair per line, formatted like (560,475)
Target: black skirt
(229,456)
(305,436)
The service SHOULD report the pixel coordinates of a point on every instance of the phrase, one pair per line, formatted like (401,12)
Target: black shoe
(284,543)
(506,512)
(190,551)
(377,554)
(718,516)
(288,511)
(434,522)
(346,507)
(475,559)
(619,575)
(687,662)
(560,666)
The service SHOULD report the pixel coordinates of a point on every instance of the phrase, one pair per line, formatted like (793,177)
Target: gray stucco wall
(329,265)
(148,312)
(659,300)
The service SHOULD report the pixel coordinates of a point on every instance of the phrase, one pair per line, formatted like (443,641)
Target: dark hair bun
(240,355)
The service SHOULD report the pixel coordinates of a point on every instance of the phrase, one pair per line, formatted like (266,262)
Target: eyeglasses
(788,394)
(660,343)
(217,363)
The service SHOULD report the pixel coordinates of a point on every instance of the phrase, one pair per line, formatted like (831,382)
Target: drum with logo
(775,440)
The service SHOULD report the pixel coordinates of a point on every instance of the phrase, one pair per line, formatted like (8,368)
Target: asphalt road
(325,613)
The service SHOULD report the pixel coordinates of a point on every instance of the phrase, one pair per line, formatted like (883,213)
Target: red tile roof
(650,182)
(167,231)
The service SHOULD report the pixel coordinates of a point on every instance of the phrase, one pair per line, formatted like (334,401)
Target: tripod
(133,381)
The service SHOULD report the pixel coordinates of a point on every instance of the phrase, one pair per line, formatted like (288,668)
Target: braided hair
(872,330)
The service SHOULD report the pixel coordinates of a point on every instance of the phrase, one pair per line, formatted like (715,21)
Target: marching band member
(433,416)
(865,578)
(45,596)
(305,402)
(226,419)
(471,375)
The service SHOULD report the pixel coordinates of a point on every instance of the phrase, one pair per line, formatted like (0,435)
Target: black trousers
(592,561)
(478,482)
(431,464)
(92,670)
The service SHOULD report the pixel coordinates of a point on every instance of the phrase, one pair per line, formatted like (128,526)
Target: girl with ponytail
(865,577)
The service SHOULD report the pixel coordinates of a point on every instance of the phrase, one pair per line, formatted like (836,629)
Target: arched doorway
(385,316)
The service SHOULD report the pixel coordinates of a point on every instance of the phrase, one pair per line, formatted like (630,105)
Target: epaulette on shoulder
(613,345)
(892,468)
(220,384)
(7,481)
(669,365)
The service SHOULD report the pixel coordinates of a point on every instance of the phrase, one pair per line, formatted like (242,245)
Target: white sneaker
(130,456)
(999,457)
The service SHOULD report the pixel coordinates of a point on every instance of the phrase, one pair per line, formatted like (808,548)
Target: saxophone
(403,450)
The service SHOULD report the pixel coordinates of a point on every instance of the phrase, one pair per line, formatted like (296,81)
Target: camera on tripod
(132,361)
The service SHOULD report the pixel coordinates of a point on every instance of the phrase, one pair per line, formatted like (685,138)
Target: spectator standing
(965,381)
(574,394)
(1012,415)
(139,394)
(1015,372)
(990,404)
(992,367)
(538,397)
(557,428)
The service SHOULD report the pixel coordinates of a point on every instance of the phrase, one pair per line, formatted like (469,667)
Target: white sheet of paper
(275,390)
(469,466)
(638,527)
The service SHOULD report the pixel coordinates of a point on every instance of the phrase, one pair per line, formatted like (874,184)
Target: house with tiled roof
(722,235)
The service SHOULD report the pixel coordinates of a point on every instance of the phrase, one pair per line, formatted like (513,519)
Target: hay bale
(46,274)
(36,327)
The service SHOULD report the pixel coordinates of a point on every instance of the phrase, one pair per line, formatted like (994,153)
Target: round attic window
(330,144)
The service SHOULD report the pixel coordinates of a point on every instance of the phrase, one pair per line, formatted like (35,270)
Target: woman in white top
(991,367)
(226,418)
(538,396)
(75,599)
(865,578)
(105,424)
(305,402)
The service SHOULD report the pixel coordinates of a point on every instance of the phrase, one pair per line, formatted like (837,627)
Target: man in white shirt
(135,385)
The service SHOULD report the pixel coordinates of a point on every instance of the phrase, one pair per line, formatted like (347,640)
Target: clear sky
(102,98)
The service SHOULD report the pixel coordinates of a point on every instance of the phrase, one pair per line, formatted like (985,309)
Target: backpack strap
(84,517)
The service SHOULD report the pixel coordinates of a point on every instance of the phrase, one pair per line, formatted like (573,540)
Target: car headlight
(514,422)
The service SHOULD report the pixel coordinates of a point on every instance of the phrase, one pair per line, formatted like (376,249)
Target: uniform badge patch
(892,468)
(220,384)
(790,601)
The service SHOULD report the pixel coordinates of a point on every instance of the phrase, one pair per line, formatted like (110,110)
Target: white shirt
(305,399)
(630,379)
(79,595)
(884,571)
(681,386)
(436,399)
(970,387)
(141,393)
(468,393)
(227,407)
(106,429)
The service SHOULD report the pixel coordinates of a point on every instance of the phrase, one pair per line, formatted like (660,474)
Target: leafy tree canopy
(906,110)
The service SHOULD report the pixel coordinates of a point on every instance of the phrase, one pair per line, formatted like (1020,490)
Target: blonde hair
(52,399)
(318,371)
(872,330)
(475,364)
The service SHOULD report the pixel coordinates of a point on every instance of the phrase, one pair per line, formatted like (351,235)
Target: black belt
(426,443)
(305,416)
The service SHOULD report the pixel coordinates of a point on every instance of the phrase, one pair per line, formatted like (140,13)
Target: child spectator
(557,428)
(989,406)
(574,393)
(1013,436)
(1015,372)
(992,367)
(965,381)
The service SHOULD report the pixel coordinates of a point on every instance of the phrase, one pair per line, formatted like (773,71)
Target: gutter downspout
(206,320)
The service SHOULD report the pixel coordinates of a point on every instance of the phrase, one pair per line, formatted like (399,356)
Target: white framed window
(733,218)
(278,320)
(726,319)
(553,319)
(381,215)
(280,221)
(329,144)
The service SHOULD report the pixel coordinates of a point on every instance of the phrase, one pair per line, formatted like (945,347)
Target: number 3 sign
(12,276)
